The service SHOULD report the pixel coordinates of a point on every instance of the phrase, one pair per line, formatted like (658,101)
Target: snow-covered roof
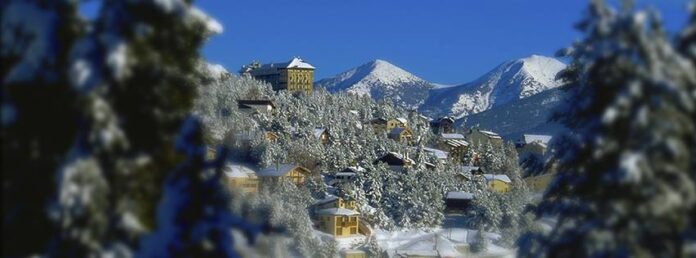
(248,103)
(338,212)
(237,170)
(279,170)
(440,154)
(327,199)
(299,63)
(490,134)
(457,143)
(530,138)
(319,131)
(460,195)
(504,178)
(348,174)
(453,136)
(402,120)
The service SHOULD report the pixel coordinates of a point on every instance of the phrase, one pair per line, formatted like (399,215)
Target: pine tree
(625,185)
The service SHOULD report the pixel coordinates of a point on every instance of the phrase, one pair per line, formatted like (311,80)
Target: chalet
(439,154)
(442,125)
(395,161)
(453,143)
(539,183)
(458,201)
(241,177)
(255,106)
(403,135)
(337,216)
(532,144)
(396,122)
(294,173)
(379,125)
(478,136)
(322,134)
(498,183)
(344,176)
(295,75)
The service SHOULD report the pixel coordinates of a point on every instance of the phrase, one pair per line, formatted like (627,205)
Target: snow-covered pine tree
(625,185)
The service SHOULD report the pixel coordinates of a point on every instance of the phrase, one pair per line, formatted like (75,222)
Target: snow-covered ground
(446,242)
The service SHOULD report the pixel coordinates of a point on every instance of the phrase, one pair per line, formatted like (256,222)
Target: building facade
(295,75)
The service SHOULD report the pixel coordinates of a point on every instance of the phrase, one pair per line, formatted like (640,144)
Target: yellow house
(396,122)
(295,75)
(401,134)
(540,182)
(241,177)
(339,222)
(498,183)
(353,253)
(296,174)
(334,202)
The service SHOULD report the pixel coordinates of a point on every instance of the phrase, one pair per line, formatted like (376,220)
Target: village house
(241,177)
(337,216)
(271,136)
(256,106)
(402,135)
(458,201)
(453,143)
(442,125)
(294,173)
(396,122)
(344,176)
(498,183)
(295,75)
(477,136)
(395,161)
(379,125)
(322,134)
(533,144)
(440,155)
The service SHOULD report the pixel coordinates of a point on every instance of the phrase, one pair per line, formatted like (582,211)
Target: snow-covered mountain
(509,82)
(525,116)
(380,79)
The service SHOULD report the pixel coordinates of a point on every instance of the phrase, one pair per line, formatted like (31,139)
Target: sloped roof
(233,170)
(247,103)
(504,178)
(470,168)
(453,136)
(457,143)
(530,138)
(295,62)
(402,120)
(319,131)
(460,195)
(327,199)
(490,134)
(279,170)
(440,154)
(337,212)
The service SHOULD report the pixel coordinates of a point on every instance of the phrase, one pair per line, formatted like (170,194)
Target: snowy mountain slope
(528,115)
(509,82)
(380,79)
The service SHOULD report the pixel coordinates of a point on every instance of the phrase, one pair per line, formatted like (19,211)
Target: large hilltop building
(295,75)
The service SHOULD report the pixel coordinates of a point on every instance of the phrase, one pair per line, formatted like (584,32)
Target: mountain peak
(380,79)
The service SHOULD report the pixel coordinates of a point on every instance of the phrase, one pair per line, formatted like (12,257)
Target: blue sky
(444,41)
